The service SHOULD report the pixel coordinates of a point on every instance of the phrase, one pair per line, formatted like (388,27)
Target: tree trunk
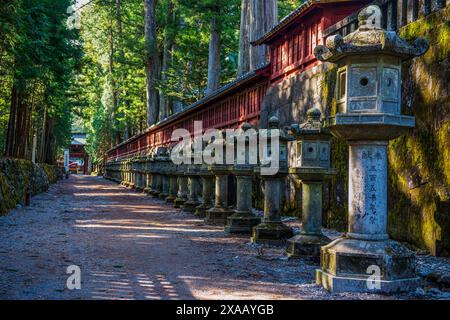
(264,16)
(244,40)
(214,55)
(151,62)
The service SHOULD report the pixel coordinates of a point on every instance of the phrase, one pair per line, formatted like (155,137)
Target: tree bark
(244,40)
(151,62)
(264,16)
(214,68)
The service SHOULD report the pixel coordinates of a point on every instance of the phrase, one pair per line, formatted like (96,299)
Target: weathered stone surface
(182,195)
(346,263)
(418,183)
(207,194)
(194,187)
(271,233)
(306,245)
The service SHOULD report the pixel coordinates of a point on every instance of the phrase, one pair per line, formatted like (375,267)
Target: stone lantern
(158,168)
(148,173)
(272,230)
(173,183)
(368,92)
(312,167)
(207,191)
(153,173)
(165,172)
(243,220)
(194,187)
(140,174)
(182,181)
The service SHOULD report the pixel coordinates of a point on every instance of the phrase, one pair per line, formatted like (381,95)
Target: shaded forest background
(55,80)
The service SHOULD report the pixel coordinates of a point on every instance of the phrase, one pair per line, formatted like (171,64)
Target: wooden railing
(396,14)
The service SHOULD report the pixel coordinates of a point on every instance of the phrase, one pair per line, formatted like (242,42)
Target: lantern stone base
(200,211)
(190,206)
(218,216)
(351,265)
(179,202)
(242,222)
(271,233)
(306,245)
(170,199)
(348,284)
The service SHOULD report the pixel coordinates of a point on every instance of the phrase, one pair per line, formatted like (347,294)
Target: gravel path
(130,246)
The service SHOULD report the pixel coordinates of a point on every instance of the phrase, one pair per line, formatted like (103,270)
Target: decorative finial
(274,123)
(314,114)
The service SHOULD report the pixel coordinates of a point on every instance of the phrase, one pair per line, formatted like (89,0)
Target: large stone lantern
(312,168)
(368,92)
(272,230)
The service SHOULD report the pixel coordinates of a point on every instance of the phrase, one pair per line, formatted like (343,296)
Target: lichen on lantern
(368,115)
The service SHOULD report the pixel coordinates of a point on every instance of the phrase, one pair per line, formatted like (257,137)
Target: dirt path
(130,246)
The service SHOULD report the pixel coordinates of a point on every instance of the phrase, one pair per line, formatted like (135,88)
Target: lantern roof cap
(370,38)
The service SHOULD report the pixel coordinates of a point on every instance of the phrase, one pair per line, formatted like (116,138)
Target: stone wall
(420,161)
(20,177)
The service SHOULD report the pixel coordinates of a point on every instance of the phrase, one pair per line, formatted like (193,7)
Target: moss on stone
(336,215)
(419,162)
